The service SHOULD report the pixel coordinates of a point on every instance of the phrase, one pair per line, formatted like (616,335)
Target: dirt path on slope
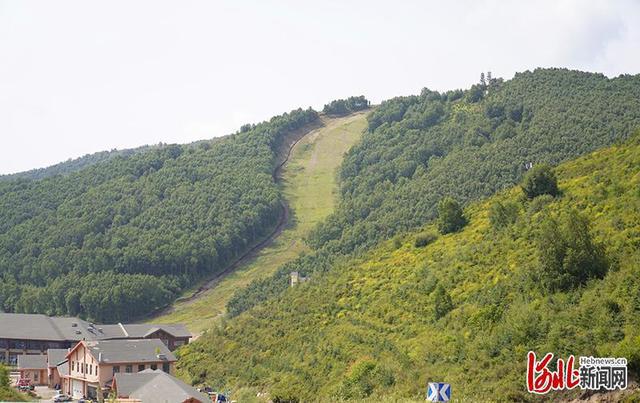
(283,220)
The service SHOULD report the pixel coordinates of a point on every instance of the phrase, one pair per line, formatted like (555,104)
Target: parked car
(24,384)
(62,397)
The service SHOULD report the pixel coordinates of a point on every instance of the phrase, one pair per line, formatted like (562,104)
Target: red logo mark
(540,379)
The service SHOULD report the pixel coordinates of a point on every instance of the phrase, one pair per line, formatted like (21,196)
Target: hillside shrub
(540,180)
(7,393)
(425,239)
(365,376)
(450,216)
(538,204)
(442,302)
(568,255)
(502,215)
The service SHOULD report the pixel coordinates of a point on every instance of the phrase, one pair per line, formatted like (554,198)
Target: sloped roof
(155,386)
(32,361)
(56,355)
(42,327)
(74,329)
(121,351)
(63,369)
(144,329)
(28,326)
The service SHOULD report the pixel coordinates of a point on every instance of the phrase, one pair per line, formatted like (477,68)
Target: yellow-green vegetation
(464,308)
(7,393)
(309,186)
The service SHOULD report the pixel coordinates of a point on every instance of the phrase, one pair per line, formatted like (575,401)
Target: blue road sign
(439,392)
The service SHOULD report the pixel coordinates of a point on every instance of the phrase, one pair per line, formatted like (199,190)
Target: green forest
(122,237)
(556,270)
(73,165)
(462,144)
(471,226)
(341,107)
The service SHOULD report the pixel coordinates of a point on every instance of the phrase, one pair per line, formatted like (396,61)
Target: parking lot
(45,394)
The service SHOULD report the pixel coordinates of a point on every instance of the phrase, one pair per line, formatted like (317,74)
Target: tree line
(122,237)
(341,107)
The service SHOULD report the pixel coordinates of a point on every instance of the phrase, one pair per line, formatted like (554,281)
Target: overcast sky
(83,76)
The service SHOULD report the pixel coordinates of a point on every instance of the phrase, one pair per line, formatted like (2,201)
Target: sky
(82,76)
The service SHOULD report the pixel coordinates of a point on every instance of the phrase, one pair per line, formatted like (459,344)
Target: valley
(308,183)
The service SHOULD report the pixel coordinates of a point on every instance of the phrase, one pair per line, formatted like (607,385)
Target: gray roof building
(32,362)
(56,356)
(36,327)
(156,386)
(117,351)
(22,326)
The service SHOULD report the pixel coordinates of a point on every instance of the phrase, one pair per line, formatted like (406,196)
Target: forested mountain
(465,144)
(124,236)
(73,165)
(528,271)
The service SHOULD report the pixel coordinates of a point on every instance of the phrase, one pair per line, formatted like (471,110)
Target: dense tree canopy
(121,237)
(73,165)
(540,180)
(340,107)
(450,216)
(465,144)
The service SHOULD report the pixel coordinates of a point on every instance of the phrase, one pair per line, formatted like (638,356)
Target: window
(128,369)
(116,369)
(154,366)
(34,345)
(179,343)
(90,369)
(85,368)
(140,367)
(166,367)
(17,345)
(35,376)
(73,366)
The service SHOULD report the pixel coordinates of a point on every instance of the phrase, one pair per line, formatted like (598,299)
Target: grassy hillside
(466,144)
(309,186)
(121,238)
(464,309)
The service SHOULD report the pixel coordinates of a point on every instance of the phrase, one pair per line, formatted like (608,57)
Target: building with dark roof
(24,334)
(92,365)
(155,386)
(56,366)
(34,368)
